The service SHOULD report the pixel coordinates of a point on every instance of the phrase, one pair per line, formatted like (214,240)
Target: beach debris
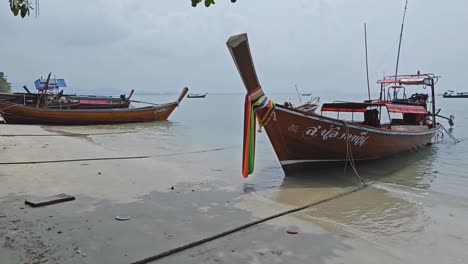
(172,188)
(59,198)
(99,173)
(292,231)
(123,218)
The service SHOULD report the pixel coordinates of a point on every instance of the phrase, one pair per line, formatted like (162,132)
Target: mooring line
(113,158)
(240,228)
(450,134)
(71,160)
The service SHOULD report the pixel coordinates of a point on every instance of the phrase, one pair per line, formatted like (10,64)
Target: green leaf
(195,2)
(15,10)
(209,2)
(24,10)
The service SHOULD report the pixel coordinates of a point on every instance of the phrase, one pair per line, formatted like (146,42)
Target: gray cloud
(163,45)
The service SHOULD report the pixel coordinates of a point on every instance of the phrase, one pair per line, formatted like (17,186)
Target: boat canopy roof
(53,83)
(418,79)
(362,107)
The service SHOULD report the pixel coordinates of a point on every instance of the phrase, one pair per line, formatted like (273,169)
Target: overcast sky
(156,46)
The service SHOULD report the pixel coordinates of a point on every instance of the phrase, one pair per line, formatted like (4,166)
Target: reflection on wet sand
(369,213)
(133,136)
(161,126)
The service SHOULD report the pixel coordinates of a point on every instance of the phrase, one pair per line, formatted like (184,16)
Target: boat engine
(419,99)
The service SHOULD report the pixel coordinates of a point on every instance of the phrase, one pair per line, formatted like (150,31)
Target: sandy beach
(171,204)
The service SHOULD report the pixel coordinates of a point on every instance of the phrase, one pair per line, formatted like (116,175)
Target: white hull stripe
(358,127)
(289,162)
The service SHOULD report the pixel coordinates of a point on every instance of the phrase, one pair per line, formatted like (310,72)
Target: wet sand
(177,199)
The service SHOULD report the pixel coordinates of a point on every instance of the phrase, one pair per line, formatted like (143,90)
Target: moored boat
(68,101)
(452,94)
(192,95)
(309,106)
(311,139)
(14,113)
(49,96)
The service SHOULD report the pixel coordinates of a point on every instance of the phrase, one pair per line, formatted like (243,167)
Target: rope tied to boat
(449,134)
(254,101)
(349,154)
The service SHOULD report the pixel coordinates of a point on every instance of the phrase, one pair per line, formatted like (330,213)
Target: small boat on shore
(452,94)
(14,113)
(192,95)
(307,139)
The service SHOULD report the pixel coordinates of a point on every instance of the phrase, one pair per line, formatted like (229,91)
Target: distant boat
(306,94)
(14,113)
(452,94)
(193,95)
(310,106)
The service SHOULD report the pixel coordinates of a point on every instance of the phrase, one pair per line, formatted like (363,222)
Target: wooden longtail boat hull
(300,138)
(307,139)
(23,114)
(197,95)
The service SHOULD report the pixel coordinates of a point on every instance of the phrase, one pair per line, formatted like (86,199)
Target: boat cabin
(393,110)
(382,114)
(54,84)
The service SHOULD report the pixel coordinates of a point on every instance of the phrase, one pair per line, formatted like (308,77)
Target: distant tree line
(24,7)
(5,86)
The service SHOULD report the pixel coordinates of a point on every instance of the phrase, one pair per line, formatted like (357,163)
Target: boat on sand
(14,113)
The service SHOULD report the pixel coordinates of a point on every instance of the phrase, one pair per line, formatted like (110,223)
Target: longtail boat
(310,106)
(49,96)
(191,95)
(68,101)
(309,139)
(14,113)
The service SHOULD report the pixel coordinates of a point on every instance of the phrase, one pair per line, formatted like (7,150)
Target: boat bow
(257,105)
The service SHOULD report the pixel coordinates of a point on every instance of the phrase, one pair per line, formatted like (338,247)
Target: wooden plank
(59,198)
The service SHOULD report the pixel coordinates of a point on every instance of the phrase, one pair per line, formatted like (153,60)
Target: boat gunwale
(7,104)
(340,122)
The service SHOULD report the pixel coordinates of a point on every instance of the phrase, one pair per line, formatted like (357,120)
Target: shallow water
(417,200)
